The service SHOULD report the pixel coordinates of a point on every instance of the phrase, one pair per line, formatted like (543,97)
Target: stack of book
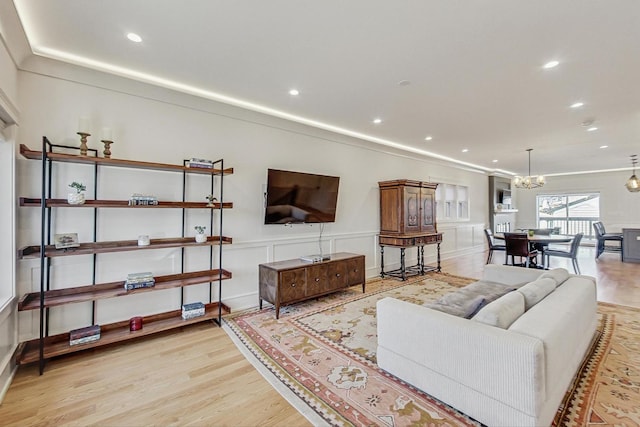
(84,335)
(139,280)
(142,199)
(200,163)
(195,309)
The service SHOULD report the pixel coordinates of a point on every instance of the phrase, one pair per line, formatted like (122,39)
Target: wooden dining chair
(572,253)
(492,245)
(517,245)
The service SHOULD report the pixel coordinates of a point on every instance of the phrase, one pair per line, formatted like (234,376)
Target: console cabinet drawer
(292,284)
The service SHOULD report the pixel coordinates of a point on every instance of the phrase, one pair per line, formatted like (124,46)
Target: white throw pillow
(534,292)
(557,274)
(503,311)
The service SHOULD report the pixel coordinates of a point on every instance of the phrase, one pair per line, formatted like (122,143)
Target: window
(569,213)
(7,207)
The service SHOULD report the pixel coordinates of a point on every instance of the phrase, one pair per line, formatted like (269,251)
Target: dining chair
(603,237)
(517,245)
(492,245)
(571,253)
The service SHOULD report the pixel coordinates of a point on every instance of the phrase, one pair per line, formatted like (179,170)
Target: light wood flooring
(197,377)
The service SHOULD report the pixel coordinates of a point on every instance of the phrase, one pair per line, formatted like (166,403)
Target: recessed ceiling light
(494,161)
(294,92)
(377,121)
(551,64)
(577,104)
(604,146)
(404,83)
(591,129)
(134,37)
(465,150)
(428,138)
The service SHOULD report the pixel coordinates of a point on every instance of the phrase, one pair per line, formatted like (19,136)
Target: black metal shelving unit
(47,346)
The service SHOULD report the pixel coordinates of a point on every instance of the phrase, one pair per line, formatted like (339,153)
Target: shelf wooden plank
(31,301)
(74,158)
(119,246)
(58,345)
(62,203)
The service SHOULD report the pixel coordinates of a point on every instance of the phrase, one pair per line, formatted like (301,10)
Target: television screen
(505,197)
(296,197)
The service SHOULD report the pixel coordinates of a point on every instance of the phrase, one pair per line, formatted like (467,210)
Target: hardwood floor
(198,377)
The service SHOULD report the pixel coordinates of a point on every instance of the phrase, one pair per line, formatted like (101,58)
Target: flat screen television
(505,197)
(297,197)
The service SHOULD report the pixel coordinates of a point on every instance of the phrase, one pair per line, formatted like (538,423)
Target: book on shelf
(186,315)
(142,199)
(194,309)
(192,306)
(84,335)
(139,280)
(200,163)
(84,332)
(84,340)
(139,277)
(139,285)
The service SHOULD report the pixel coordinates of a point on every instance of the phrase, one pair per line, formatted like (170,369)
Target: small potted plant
(200,236)
(76,197)
(210,199)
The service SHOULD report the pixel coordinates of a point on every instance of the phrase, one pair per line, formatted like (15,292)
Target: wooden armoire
(408,219)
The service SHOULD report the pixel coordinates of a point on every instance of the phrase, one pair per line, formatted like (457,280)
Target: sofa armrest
(503,365)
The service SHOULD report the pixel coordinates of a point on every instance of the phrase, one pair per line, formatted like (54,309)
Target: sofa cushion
(534,292)
(510,275)
(559,275)
(503,311)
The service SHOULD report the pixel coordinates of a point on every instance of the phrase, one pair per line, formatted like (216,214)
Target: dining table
(542,240)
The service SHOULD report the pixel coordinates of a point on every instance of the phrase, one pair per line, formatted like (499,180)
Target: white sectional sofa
(512,373)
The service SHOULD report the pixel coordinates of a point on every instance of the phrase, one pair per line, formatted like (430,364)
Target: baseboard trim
(8,373)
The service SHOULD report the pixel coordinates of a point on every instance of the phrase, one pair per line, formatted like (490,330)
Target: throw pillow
(557,274)
(503,311)
(534,292)
(462,308)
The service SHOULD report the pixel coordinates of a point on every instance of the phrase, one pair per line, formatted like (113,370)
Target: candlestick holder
(83,143)
(107,149)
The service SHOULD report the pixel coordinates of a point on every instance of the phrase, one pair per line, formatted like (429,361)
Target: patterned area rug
(324,351)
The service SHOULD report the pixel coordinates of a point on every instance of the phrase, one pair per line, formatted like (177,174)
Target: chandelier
(530,181)
(633,184)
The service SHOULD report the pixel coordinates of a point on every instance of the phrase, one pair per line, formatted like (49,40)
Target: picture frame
(66,240)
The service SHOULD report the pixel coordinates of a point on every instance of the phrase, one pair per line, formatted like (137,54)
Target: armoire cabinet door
(428,212)
(412,207)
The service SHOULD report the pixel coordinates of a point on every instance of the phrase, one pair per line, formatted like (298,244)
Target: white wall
(8,314)
(618,207)
(158,125)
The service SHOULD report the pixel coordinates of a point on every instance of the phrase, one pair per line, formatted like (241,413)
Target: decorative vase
(75,198)
(201,238)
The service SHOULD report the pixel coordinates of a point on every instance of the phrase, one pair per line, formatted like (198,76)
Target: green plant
(79,187)
(200,229)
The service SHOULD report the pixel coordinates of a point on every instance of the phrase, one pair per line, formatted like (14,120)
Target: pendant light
(633,184)
(530,181)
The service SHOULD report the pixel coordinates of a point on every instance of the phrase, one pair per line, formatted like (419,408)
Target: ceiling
(472,71)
